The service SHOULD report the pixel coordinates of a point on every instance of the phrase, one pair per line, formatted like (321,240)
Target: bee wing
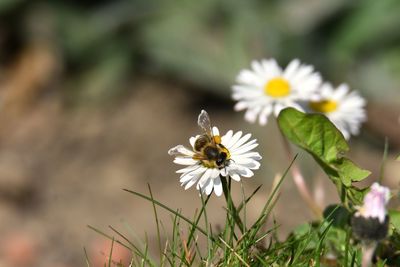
(180,150)
(199,156)
(204,122)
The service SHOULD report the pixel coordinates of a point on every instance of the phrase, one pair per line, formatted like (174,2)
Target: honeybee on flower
(211,156)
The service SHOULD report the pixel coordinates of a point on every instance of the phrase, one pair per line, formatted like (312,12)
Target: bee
(208,147)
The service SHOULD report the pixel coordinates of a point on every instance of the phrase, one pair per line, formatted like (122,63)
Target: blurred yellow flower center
(323,106)
(277,87)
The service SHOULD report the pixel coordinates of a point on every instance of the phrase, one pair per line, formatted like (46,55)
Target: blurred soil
(63,168)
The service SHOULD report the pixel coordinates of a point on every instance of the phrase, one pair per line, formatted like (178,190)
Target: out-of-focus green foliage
(395,219)
(105,43)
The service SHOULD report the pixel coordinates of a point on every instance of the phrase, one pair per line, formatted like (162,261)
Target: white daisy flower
(345,109)
(211,156)
(266,88)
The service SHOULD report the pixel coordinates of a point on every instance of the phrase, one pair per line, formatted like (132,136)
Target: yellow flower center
(324,106)
(277,87)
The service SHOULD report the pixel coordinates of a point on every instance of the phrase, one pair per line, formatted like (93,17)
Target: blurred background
(94,93)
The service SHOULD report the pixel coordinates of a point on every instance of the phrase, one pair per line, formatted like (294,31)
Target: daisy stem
(226,186)
(299,181)
(367,253)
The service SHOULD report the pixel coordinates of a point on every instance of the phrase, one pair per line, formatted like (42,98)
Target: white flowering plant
(312,115)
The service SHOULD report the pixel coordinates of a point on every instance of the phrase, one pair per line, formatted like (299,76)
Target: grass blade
(157,222)
(168,209)
(86,258)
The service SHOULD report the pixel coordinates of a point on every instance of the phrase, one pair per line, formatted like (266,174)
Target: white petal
(241,105)
(251,114)
(188,169)
(240,170)
(218,187)
(227,137)
(234,139)
(215,131)
(249,77)
(194,172)
(185,178)
(291,68)
(204,178)
(278,108)
(248,163)
(192,140)
(247,147)
(249,155)
(235,176)
(263,119)
(209,186)
(215,173)
(341,91)
(180,150)
(272,68)
(189,184)
(185,161)
(241,141)
(223,172)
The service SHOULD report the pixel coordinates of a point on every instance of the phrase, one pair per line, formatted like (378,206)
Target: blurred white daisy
(212,156)
(266,88)
(344,108)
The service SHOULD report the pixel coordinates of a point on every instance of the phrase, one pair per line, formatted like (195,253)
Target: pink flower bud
(375,203)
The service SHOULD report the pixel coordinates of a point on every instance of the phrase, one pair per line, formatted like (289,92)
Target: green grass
(238,243)
(327,241)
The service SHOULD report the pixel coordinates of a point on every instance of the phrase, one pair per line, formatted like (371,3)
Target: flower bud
(371,222)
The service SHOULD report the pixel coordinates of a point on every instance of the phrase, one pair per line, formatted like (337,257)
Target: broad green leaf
(349,172)
(357,194)
(398,158)
(319,137)
(314,133)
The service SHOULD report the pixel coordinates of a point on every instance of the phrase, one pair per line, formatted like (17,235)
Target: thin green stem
(209,242)
(367,254)
(111,251)
(86,258)
(226,187)
(244,207)
(346,255)
(384,157)
(157,223)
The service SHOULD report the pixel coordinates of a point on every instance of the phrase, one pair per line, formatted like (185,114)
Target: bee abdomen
(211,152)
(201,142)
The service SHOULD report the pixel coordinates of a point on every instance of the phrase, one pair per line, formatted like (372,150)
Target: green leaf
(395,219)
(398,158)
(349,172)
(314,133)
(318,136)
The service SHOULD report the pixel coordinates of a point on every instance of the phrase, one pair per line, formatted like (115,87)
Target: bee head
(221,158)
